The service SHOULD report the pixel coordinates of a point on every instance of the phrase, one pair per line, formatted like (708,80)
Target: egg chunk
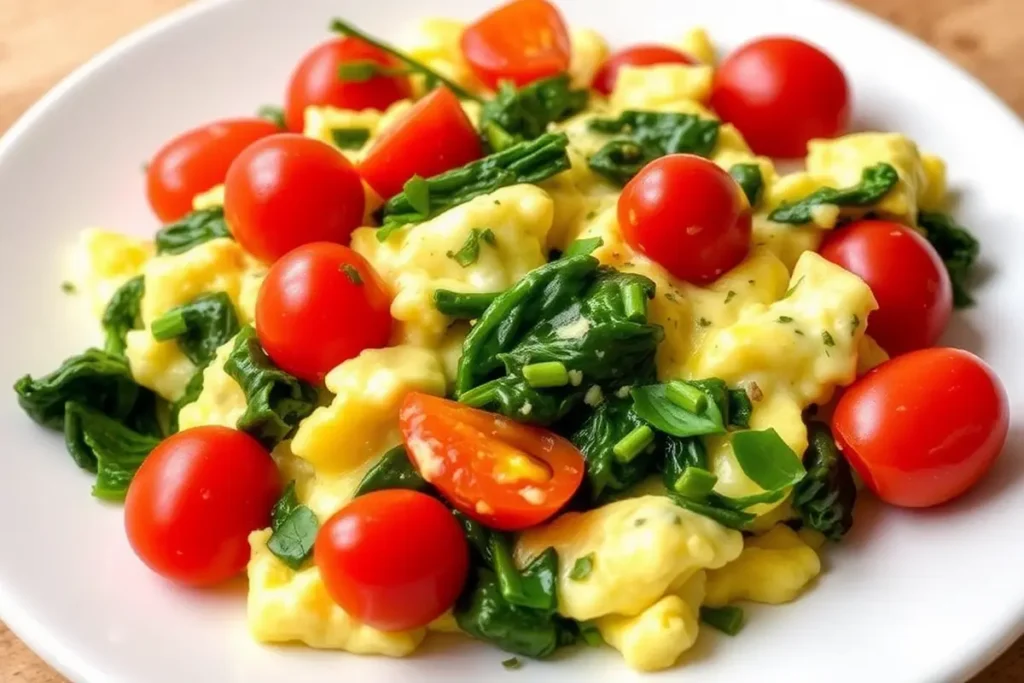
(773,568)
(221,402)
(287,606)
(420,259)
(651,87)
(331,125)
(638,548)
(437,44)
(362,420)
(697,44)
(589,50)
(105,260)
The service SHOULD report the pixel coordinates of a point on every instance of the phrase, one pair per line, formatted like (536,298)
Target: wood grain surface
(42,40)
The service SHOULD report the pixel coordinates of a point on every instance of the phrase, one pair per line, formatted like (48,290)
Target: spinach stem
(170,325)
(633,443)
(695,483)
(687,397)
(547,374)
(481,395)
(467,305)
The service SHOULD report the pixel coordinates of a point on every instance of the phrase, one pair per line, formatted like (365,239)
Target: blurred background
(41,41)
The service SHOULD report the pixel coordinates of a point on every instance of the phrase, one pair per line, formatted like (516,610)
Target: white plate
(909,597)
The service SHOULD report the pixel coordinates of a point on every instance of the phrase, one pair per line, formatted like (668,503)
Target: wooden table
(42,40)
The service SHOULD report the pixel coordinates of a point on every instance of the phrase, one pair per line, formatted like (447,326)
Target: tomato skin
(637,55)
(315,81)
(907,277)
(195,500)
(288,190)
(393,559)
(923,428)
(781,92)
(311,316)
(506,475)
(434,136)
(688,215)
(197,160)
(522,41)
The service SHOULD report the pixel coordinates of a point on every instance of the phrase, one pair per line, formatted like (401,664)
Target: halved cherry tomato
(907,277)
(319,305)
(288,190)
(687,214)
(195,500)
(780,93)
(638,55)
(521,42)
(394,559)
(433,137)
(197,160)
(923,428)
(507,475)
(315,81)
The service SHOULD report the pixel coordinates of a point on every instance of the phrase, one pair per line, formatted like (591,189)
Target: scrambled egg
(773,568)
(221,402)
(103,261)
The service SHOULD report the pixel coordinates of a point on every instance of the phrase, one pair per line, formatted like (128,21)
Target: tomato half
(320,305)
(780,93)
(315,81)
(506,475)
(521,42)
(434,136)
(907,277)
(923,428)
(197,160)
(637,55)
(688,215)
(195,500)
(394,559)
(288,190)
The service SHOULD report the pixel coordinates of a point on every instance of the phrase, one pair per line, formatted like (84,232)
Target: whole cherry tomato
(688,215)
(907,277)
(320,305)
(637,55)
(393,559)
(923,428)
(780,93)
(521,42)
(195,500)
(197,160)
(316,80)
(288,190)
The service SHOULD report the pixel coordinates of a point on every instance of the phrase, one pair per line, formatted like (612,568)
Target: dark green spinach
(875,182)
(748,177)
(293,530)
(194,229)
(201,326)
(393,471)
(518,114)
(957,248)
(107,447)
(122,314)
(826,496)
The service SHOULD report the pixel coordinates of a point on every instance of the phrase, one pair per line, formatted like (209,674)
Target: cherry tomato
(315,81)
(288,190)
(197,160)
(638,55)
(687,214)
(507,475)
(393,559)
(780,93)
(320,305)
(907,277)
(521,42)
(433,137)
(195,500)
(923,428)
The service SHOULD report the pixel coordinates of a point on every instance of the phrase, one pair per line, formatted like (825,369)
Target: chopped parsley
(469,252)
(784,319)
(581,570)
(827,338)
(352,274)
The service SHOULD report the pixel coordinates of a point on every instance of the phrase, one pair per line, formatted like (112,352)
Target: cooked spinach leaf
(350,138)
(122,314)
(604,427)
(107,447)
(826,496)
(293,530)
(275,401)
(194,229)
(392,471)
(875,182)
(201,326)
(729,619)
(748,177)
(518,114)
(957,248)
(766,459)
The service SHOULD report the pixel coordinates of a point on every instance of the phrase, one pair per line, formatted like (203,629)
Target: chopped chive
(352,274)
(169,326)
(792,289)
(784,319)
(581,570)
(633,443)
(547,374)
(417,191)
(68,287)
(512,663)
(729,295)
(634,300)
(687,397)
(827,339)
(704,322)
(695,483)
(728,620)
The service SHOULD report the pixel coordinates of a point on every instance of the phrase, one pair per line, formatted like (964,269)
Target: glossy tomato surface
(393,559)
(316,81)
(637,55)
(907,277)
(320,305)
(520,42)
(196,161)
(923,428)
(434,136)
(507,475)
(195,500)
(288,190)
(688,215)
(781,92)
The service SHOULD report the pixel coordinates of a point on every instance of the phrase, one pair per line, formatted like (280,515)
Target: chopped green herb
(748,177)
(274,114)
(547,374)
(728,620)
(875,182)
(695,483)
(512,663)
(362,71)
(789,292)
(729,296)
(704,322)
(417,192)
(465,305)
(734,519)
(687,397)
(827,339)
(634,302)
(469,252)
(583,247)
(350,138)
(654,405)
(352,274)
(582,568)
(766,459)
(200,327)
(784,319)
(634,443)
(68,287)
